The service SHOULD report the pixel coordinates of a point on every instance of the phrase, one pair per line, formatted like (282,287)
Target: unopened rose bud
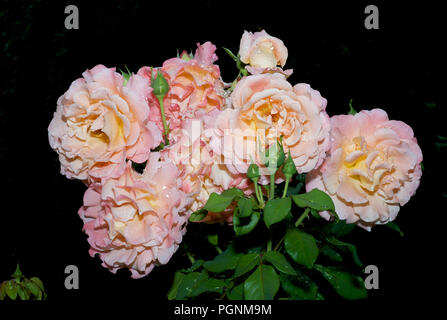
(160,85)
(274,156)
(253,173)
(289,168)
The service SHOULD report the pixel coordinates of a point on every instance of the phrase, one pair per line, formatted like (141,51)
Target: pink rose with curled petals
(194,84)
(201,170)
(136,221)
(99,123)
(266,107)
(374,167)
(263,53)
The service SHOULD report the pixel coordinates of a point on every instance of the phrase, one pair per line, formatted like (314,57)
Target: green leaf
(213,239)
(280,262)
(11,289)
(38,282)
(198,215)
(23,292)
(189,283)
(236,293)
(276,210)
(345,284)
(208,285)
(245,206)
(394,227)
(301,247)
(2,290)
(227,260)
(262,284)
(315,214)
(339,228)
(32,287)
(178,278)
(231,54)
(246,263)
(331,253)
(247,228)
(219,202)
(300,287)
(233,192)
(347,246)
(315,199)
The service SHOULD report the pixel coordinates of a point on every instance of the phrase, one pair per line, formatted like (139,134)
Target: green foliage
(262,284)
(126,75)
(246,263)
(395,227)
(198,215)
(351,108)
(224,261)
(283,258)
(315,199)
(276,210)
(239,64)
(242,229)
(300,287)
(22,287)
(339,228)
(279,261)
(346,246)
(301,247)
(345,284)
(219,202)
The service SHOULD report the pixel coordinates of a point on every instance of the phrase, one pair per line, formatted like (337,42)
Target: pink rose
(374,167)
(260,50)
(99,123)
(194,85)
(136,221)
(267,107)
(201,172)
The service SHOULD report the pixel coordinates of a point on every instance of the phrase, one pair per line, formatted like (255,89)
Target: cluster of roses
(106,121)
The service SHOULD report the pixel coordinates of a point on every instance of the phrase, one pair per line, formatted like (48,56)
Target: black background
(397,68)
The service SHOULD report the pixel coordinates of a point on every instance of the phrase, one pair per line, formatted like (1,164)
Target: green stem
(219,250)
(285,188)
(259,195)
(272,186)
(189,255)
(163,119)
(278,244)
(269,243)
(302,217)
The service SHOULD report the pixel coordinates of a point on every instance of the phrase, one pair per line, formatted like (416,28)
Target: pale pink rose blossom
(136,221)
(253,70)
(266,107)
(99,123)
(374,167)
(201,172)
(260,50)
(194,85)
